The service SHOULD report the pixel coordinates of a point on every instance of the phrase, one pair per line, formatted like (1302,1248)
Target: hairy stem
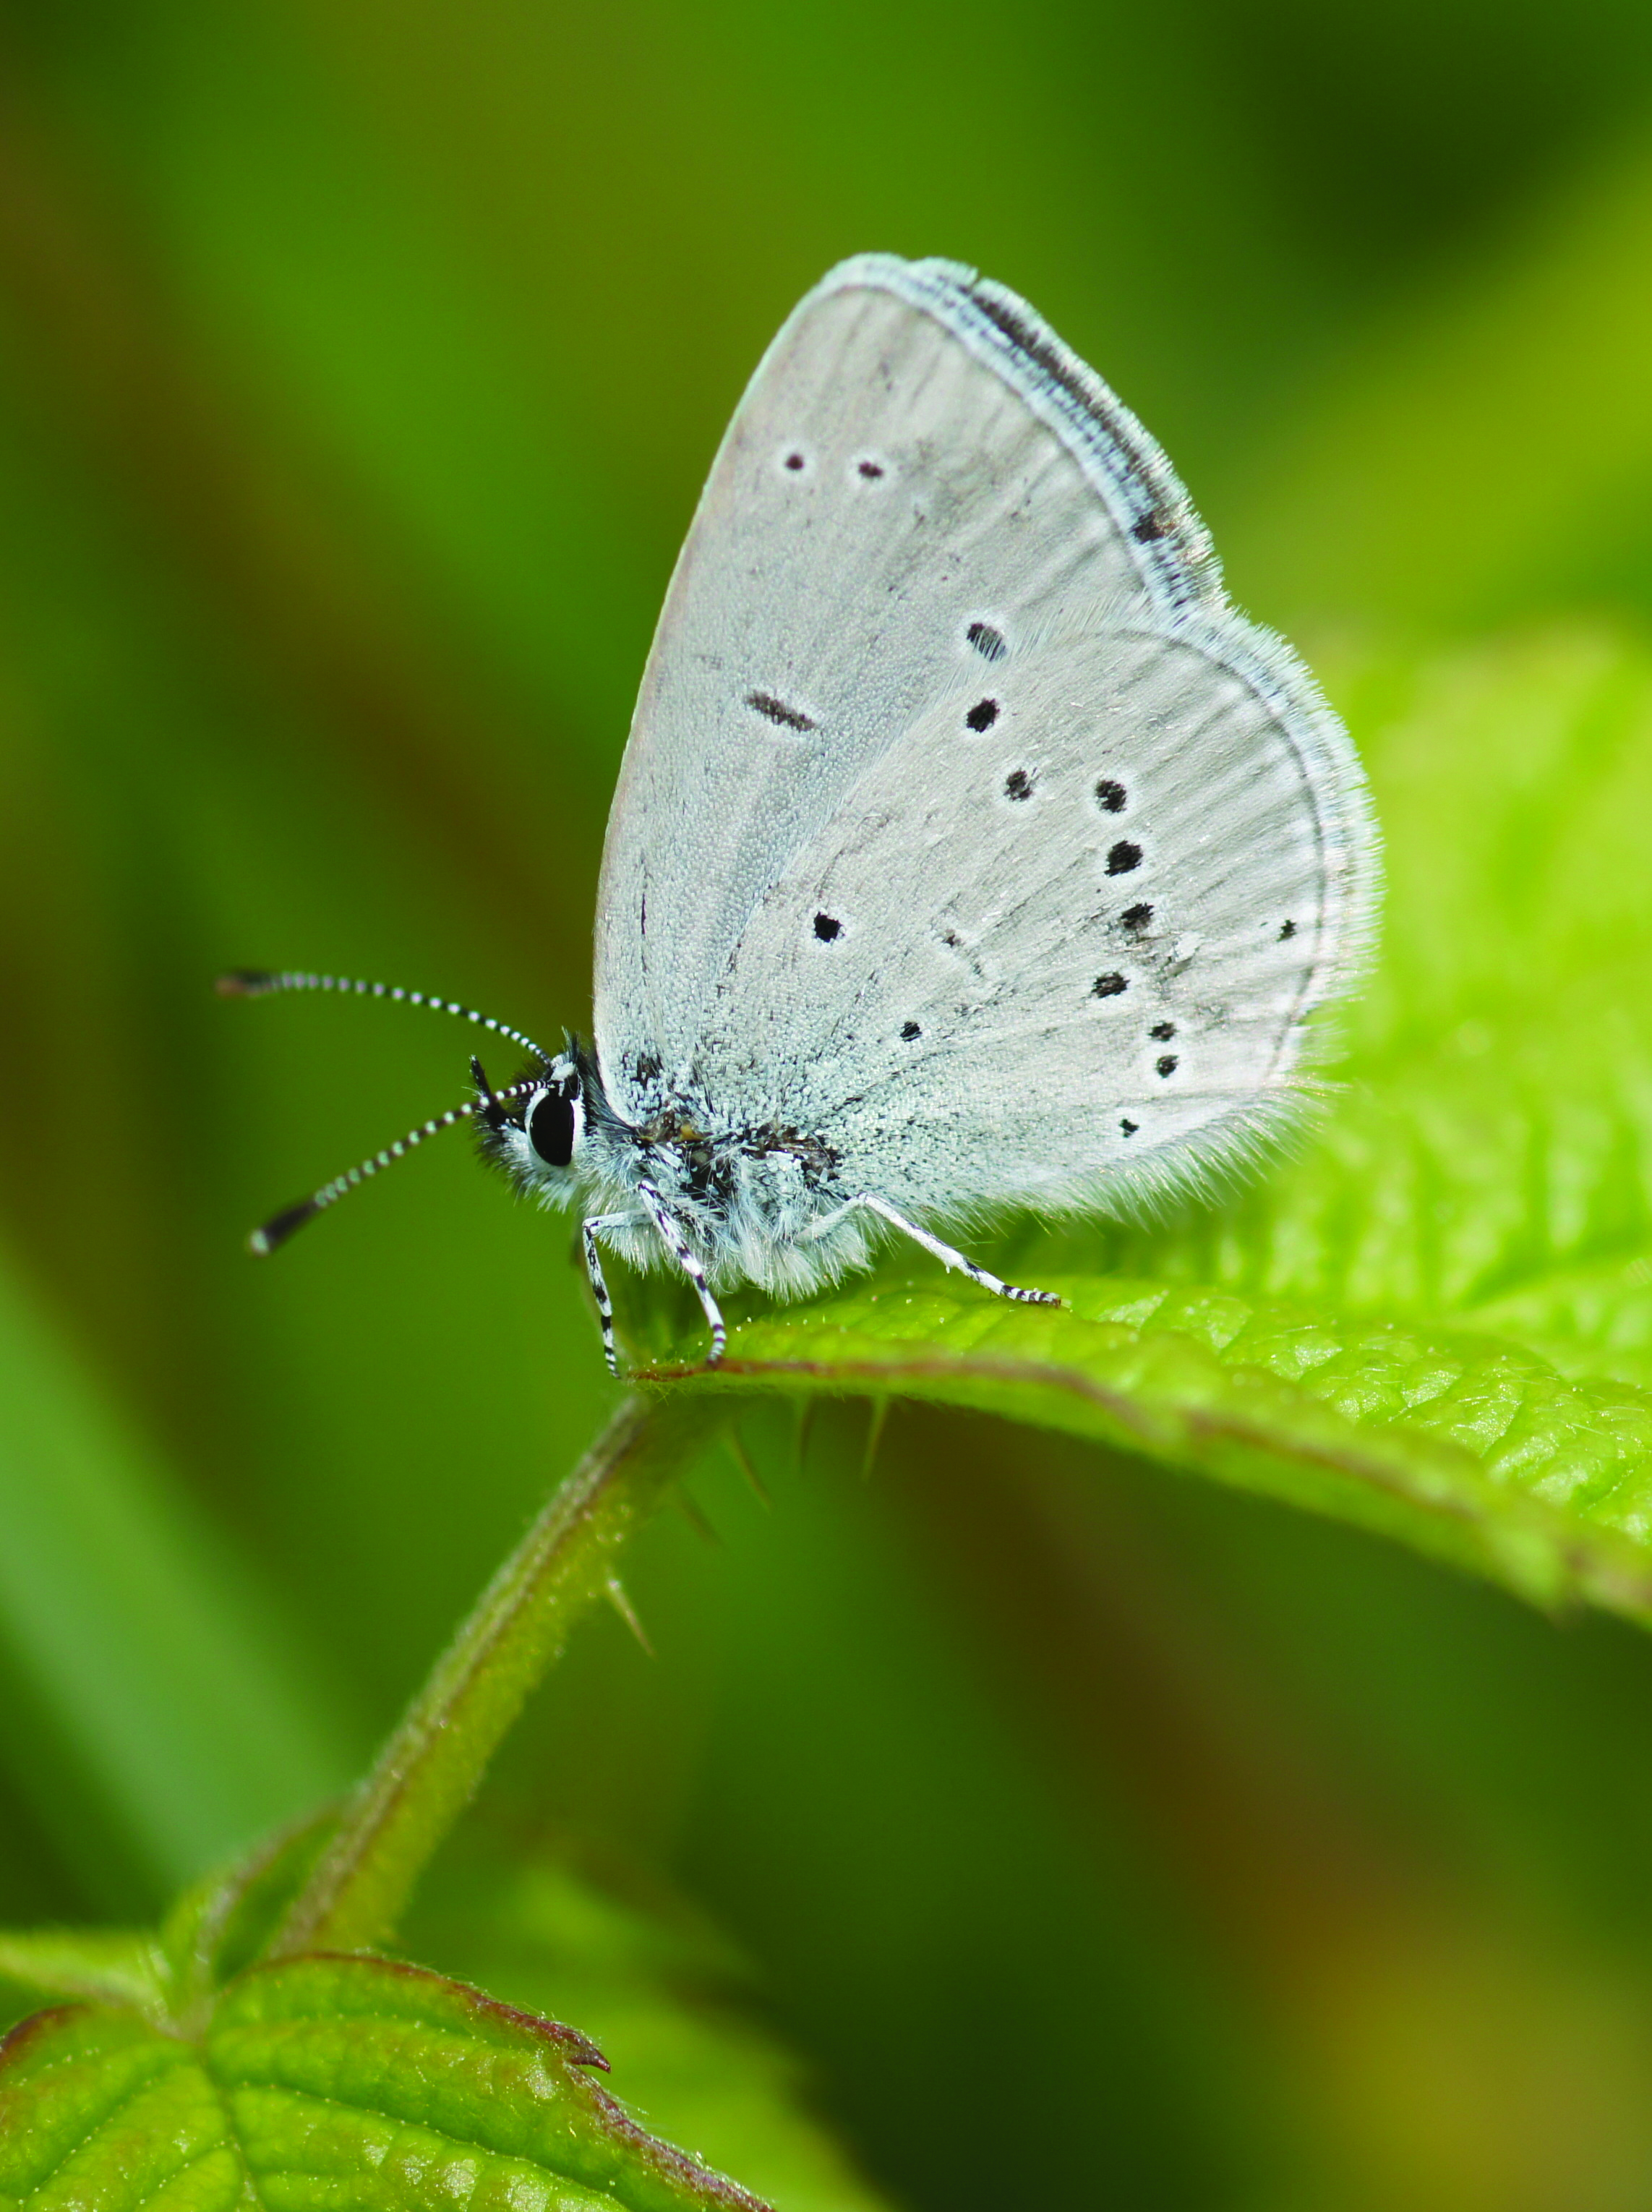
(431,1766)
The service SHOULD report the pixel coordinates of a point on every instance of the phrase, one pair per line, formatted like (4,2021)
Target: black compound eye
(551,1128)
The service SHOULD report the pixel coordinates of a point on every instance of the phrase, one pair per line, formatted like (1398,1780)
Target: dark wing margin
(1154,516)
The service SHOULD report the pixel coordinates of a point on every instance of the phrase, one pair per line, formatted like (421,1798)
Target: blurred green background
(358,366)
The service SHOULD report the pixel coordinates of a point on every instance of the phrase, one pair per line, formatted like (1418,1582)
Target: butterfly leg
(588,1228)
(677,1245)
(944,1253)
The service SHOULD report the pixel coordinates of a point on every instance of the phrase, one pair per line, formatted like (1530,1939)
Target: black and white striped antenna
(275,1232)
(260,983)
(263,983)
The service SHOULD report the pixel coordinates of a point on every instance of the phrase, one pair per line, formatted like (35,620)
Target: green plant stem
(431,1766)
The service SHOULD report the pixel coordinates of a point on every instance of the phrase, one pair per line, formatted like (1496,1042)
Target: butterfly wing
(945,649)
(1049,960)
(882,489)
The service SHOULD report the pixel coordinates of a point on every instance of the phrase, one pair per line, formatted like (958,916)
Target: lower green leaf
(330,2081)
(670,2000)
(98,2109)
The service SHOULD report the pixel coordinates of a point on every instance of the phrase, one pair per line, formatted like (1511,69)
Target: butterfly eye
(552,1125)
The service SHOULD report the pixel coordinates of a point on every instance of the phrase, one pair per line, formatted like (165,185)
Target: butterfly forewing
(883,492)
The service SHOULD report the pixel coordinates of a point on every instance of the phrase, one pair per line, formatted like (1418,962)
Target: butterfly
(971,851)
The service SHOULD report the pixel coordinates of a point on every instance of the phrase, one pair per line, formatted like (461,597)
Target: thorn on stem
(807,1408)
(878,1416)
(619,1598)
(696,1519)
(742,1459)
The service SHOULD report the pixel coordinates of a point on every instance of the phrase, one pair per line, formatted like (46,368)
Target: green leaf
(215,1931)
(667,1997)
(1437,1320)
(1471,1451)
(323,2080)
(667,1993)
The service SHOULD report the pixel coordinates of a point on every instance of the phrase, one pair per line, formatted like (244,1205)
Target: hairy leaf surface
(325,2081)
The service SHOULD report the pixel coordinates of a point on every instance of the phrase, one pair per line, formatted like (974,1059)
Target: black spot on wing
(776,711)
(827,926)
(988,642)
(1109,796)
(983,716)
(1123,858)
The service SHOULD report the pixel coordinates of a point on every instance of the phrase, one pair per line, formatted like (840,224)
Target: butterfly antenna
(263,983)
(275,1231)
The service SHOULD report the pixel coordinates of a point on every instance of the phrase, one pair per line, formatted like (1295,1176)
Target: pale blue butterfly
(970,853)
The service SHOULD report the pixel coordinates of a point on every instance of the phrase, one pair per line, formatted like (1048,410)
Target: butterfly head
(535,1131)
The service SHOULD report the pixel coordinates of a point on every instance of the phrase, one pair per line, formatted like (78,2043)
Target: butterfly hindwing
(1024,959)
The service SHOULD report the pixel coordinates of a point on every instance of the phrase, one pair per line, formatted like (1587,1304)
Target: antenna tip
(275,1231)
(244,983)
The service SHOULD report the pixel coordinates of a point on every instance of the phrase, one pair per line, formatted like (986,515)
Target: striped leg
(676,1245)
(588,1228)
(944,1253)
